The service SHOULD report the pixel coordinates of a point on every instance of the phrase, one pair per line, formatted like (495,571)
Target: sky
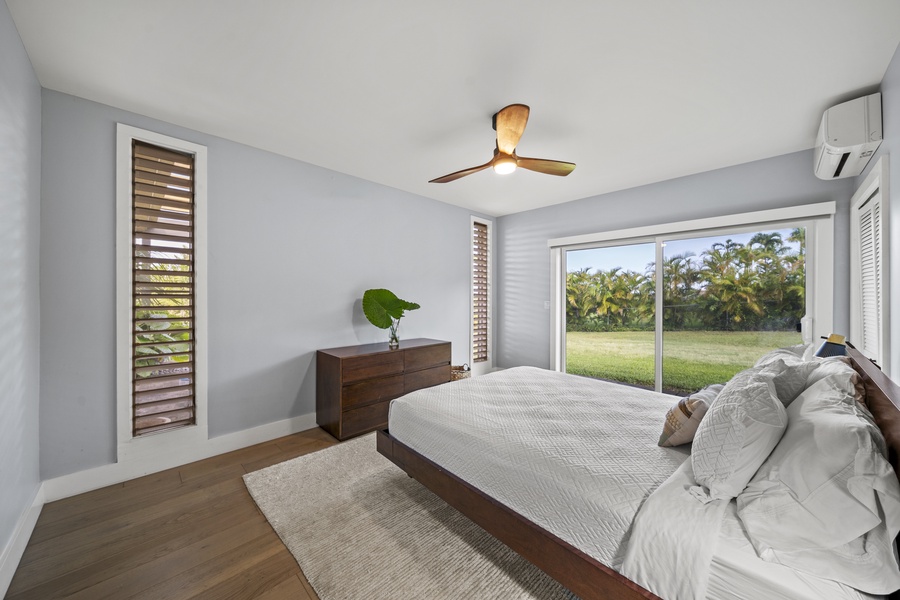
(636,257)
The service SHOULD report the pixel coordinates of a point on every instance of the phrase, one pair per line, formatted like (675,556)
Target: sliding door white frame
(818,219)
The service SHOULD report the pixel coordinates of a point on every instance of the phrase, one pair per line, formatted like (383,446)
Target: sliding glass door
(677,313)
(610,313)
(726,300)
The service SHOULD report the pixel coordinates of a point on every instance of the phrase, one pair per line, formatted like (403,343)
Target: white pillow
(790,354)
(796,355)
(683,419)
(815,505)
(848,381)
(792,379)
(739,431)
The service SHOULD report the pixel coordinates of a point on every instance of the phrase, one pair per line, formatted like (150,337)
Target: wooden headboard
(883,400)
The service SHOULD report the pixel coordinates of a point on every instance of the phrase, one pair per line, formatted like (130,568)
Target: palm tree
(681,280)
(734,297)
(756,285)
(581,294)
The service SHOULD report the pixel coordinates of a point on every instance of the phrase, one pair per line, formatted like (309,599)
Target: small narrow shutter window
(870,257)
(479,292)
(163,351)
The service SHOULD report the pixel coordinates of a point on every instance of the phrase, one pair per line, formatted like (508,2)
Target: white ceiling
(401,91)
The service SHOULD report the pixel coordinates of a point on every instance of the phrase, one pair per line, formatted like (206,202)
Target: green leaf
(382,307)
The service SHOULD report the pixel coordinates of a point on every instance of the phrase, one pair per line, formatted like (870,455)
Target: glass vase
(394,339)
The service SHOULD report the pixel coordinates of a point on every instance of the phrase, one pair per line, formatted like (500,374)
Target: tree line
(731,286)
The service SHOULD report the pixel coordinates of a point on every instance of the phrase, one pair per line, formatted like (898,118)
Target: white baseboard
(98,477)
(12,553)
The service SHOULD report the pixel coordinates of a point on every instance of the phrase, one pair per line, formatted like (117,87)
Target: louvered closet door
(163,289)
(869,267)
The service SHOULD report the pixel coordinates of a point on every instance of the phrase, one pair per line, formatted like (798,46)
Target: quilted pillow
(739,431)
(683,419)
(816,504)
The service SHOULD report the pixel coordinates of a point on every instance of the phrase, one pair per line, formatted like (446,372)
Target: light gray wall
(524,274)
(291,249)
(890,116)
(20,209)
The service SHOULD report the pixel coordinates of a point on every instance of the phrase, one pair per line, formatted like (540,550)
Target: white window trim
(819,220)
(154,447)
(875,184)
(486,366)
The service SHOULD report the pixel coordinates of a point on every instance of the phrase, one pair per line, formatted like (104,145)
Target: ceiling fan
(509,122)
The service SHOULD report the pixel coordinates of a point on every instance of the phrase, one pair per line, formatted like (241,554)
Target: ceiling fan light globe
(504,165)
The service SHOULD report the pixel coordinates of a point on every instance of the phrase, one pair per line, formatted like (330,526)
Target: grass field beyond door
(691,359)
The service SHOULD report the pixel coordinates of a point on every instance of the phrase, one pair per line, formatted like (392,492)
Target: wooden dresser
(355,384)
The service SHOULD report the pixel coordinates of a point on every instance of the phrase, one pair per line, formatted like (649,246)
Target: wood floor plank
(124,525)
(54,564)
(150,499)
(254,582)
(289,589)
(228,460)
(144,576)
(191,531)
(63,509)
(282,456)
(202,531)
(309,588)
(154,481)
(211,573)
(305,437)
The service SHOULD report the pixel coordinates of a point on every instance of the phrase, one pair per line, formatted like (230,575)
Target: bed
(521,503)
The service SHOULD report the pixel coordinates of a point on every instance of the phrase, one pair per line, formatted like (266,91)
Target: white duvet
(561,450)
(579,457)
(674,538)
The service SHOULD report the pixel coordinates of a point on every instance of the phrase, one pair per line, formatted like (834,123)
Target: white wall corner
(12,553)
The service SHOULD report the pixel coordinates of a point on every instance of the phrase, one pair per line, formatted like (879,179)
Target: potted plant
(384,310)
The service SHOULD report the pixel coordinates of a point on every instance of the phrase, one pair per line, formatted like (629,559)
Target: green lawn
(691,359)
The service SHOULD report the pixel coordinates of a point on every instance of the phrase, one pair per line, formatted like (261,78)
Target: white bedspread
(737,573)
(574,455)
(579,457)
(673,540)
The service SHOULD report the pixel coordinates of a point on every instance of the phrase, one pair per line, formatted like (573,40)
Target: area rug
(361,529)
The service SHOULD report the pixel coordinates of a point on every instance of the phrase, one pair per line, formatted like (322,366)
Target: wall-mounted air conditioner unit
(849,135)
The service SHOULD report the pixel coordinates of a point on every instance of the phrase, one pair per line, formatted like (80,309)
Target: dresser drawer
(426,378)
(426,356)
(365,418)
(372,365)
(371,390)
(355,384)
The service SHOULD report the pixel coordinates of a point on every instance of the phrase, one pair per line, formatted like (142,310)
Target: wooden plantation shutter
(479,292)
(162,289)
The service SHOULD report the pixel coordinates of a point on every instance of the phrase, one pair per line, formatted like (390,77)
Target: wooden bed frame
(583,575)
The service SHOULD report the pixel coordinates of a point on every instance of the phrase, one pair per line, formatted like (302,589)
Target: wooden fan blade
(510,124)
(463,173)
(549,167)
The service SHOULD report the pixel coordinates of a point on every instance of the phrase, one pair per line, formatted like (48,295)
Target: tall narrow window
(480,293)
(163,341)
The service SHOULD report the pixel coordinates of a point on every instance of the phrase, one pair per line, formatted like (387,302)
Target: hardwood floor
(189,532)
